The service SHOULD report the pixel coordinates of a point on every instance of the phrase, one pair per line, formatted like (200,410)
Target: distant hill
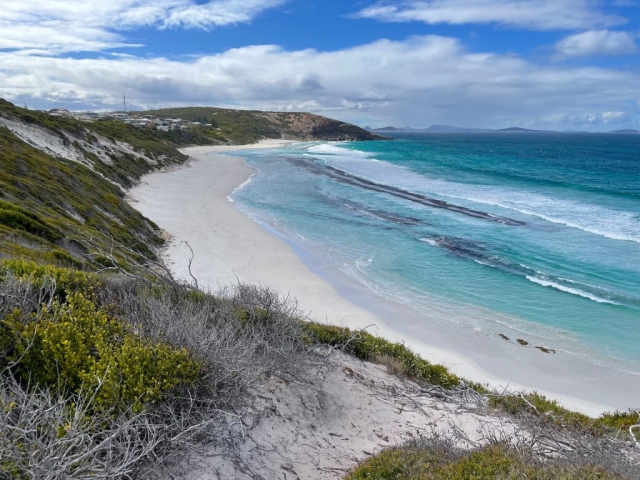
(248,126)
(627,131)
(387,129)
(452,129)
(520,130)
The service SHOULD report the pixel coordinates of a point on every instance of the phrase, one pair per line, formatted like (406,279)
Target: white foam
(334,149)
(573,291)
(430,241)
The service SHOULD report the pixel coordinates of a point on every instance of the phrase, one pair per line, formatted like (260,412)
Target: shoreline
(193,205)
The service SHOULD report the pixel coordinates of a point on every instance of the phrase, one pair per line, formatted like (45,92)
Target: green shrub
(552,411)
(65,279)
(19,221)
(365,346)
(488,463)
(77,347)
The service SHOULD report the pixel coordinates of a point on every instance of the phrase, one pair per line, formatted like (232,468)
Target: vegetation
(108,365)
(100,375)
(436,459)
(615,423)
(365,346)
(52,207)
(77,347)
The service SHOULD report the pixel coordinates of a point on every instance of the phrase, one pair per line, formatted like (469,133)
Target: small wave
(333,149)
(430,241)
(573,291)
(364,262)
(478,253)
(244,184)
(240,187)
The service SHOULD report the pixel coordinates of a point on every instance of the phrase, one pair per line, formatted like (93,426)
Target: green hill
(248,126)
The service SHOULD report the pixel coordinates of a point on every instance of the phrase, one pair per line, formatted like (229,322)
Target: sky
(551,64)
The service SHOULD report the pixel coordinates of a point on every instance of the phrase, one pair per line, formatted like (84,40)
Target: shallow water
(523,234)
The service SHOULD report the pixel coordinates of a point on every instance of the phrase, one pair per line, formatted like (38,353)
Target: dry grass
(394,366)
(239,336)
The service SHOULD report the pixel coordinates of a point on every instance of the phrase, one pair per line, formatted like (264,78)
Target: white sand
(192,205)
(320,430)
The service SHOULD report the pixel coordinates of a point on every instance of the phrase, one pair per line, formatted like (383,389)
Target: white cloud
(221,12)
(597,42)
(529,14)
(420,81)
(93,25)
(614,117)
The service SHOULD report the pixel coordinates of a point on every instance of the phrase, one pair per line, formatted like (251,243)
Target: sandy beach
(192,204)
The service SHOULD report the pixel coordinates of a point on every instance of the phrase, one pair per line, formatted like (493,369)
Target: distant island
(452,129)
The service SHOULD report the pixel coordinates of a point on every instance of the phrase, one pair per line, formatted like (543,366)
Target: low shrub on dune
(107,376)
(433,459)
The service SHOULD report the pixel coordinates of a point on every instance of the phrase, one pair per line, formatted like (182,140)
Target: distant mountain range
(450,129)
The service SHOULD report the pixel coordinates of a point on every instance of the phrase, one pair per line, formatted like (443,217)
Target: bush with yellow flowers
(60,279)
(77,347)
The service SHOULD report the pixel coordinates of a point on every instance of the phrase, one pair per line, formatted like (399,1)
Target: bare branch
(195,280)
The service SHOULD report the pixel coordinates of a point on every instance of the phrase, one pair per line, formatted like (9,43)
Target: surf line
(344,177)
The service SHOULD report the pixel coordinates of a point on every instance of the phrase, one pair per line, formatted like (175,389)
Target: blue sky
(560,64)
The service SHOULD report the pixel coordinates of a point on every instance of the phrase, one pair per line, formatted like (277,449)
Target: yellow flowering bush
(37,274)
(79,348)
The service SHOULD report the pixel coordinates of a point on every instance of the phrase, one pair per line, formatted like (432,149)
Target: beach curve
(193,205)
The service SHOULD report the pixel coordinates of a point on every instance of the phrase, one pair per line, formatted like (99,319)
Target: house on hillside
(120,116)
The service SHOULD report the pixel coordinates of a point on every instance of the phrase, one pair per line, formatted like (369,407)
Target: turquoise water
(516,233)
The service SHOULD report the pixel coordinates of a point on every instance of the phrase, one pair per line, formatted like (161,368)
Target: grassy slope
(124,169)
(51,207)
(443,462)
(368,347)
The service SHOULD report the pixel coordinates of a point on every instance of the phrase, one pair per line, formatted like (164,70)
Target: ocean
(532,236)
